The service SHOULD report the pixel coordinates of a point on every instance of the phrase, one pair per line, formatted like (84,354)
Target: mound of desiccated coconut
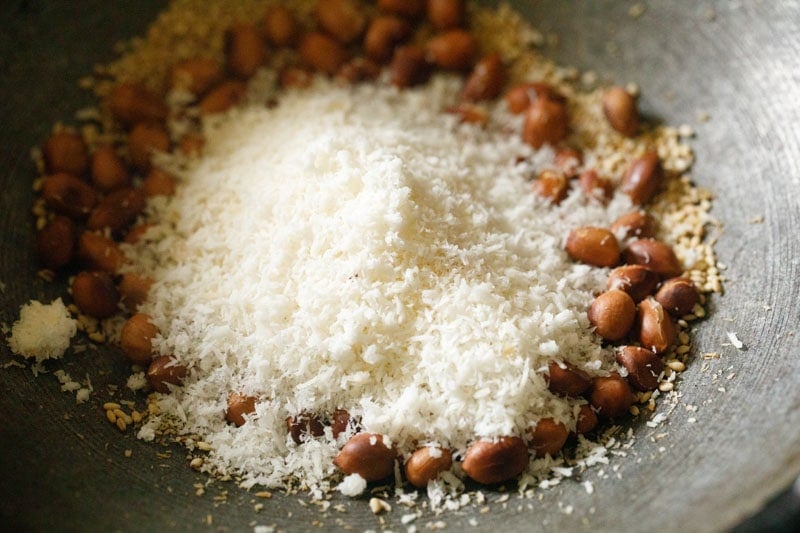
(332,282)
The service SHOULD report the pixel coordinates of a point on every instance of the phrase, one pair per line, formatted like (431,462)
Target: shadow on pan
(731,70)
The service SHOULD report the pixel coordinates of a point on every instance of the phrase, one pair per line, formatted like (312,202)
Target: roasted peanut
(239,405)
(636,280)
(365,454)
(191,145)
(655,255)
(637,224)
(224,96)
(619,107)
(144,139)
(117,211)
(133,289)
(593,246)
(548,437)
(383,35)
(409,67)
(595,186)
(470,113)
(134,235)
(551,185)
(304,426)
(280,26)
(68,195)
(98,252)
(612,314)
(425,464)
(546,122)
(131,103)
(452,50)
(108,170)
(404,8)
(643,178)
(587,420)
(486,80)
(340,421)
(520,97)
(66,152)
(136,339)
(197,75)
(95,294)
(164,371)
(567,380)
(357,70)
(611,396)
(323,53)
(656,329)
(446,14)
(343,19)
(568,160)
(55,243)
(643,367)
(245,51)
(678,296)
(495,461)
(158,183)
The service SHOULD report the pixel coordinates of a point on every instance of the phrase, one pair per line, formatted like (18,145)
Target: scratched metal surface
(63,468)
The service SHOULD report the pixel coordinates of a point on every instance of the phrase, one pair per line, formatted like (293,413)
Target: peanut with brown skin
(133,289)
(568,160)
(158,183)
(68,195)
(136,339)
(637,224)
(446,14)
(471,113)
(383,35)
(486,80)
(423,467)
(655,255)
(619,107)
(678,296)
(340,421)
(495,461)
(197,75)
(98,252)
(323,53)
(587,420)
(452,50)
(131,103)
(643,178)
(66,152)
(611,396)
(191,145)
(365,454)
(304,426)
(593,246)
(546,122)
(520,97)
(643,367)
(239,405)
(358,70)
(548,437)
(134,235)
(55,243)
(280,26)
(595,186)
(636,280)
(222,97)
(245,50)
(612,314)
(117,210)
(294,77)
(404,8)
(163,371)
(95,294)
(656,329)
(567,380)
(551,185)
(343,19)
(409,67)
(144,139)
(109,172)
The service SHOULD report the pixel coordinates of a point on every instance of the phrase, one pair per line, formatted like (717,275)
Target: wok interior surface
(62,467)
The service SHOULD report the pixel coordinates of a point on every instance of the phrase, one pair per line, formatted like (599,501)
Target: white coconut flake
(352,485)
(43,331)
(738,344)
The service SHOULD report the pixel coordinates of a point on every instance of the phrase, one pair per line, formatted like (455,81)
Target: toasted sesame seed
(121,424)
(666,386)
(202,445)
(680,350)
(136,416)
(111,416)
(196,463)
(111,406)
(634,410)
(676,365)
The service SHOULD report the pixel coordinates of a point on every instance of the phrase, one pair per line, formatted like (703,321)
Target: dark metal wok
(63,468)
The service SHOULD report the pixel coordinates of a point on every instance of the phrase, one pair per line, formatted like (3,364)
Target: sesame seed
(666,386)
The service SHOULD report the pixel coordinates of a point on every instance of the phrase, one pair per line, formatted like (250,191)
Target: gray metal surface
(63,468)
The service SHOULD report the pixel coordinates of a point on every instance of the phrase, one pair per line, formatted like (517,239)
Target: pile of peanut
(94,198)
